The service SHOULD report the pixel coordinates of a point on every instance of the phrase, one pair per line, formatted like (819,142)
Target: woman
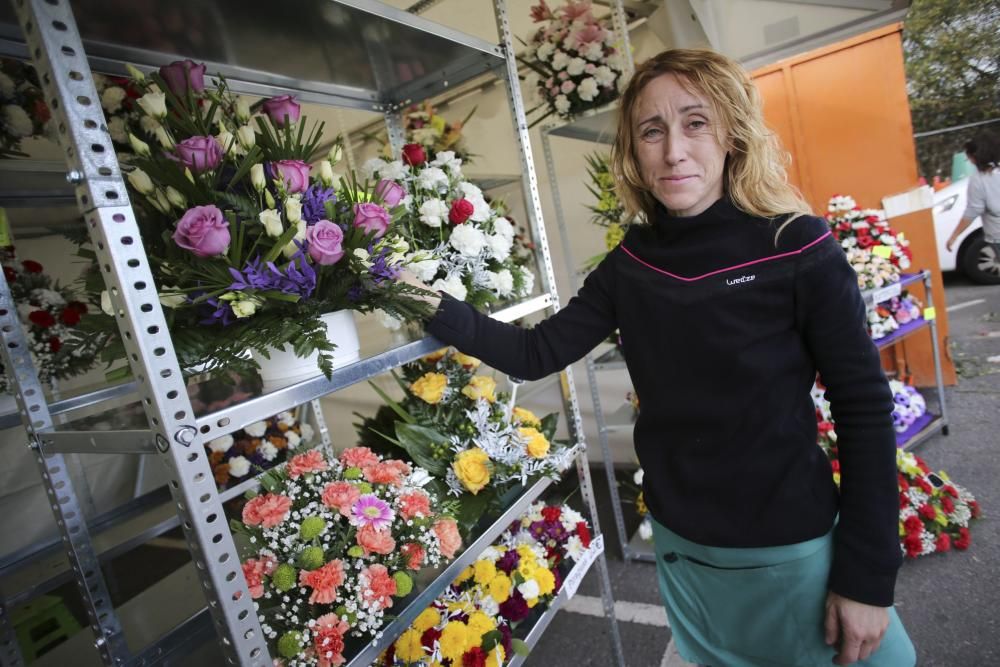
(984,191)
(728,300)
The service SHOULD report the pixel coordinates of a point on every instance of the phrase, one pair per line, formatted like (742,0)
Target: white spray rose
(588,89)
(562,104)
(575,66)
(272,223)
(560,60)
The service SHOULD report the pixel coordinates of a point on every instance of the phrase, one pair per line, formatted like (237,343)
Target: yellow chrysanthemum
(499,588)
(427,619)
(526,553)
(466,360)
(640,505)
(430,387)
(472,469)
(480,624)
(527,569)
(496,656)
(435,357)
(546,581)
(526,418)
(464,576)
(409,647)
(536,444)
(485,571)
(481,386)
(454,641)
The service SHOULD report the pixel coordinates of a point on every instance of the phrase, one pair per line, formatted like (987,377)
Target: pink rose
(375,541)
(358,457)
(183,75)
(447,533)
(280,107)
(199,153)
(295,173)
(267,510)
(340,496)
(567,87)
(325,242)
(372,218)
(203,231)
(391,192)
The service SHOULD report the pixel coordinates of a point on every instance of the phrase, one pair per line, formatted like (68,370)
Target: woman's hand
(855,628)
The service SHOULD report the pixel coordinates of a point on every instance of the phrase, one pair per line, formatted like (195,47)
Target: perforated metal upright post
(10,651)
(55,47)
(530,183)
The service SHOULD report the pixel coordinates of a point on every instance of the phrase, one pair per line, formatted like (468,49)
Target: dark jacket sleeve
(531,354)
(831,317)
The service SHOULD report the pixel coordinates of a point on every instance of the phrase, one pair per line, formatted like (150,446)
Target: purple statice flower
(214,311)
(381,270)
(314,202)
(509,561)
(370,510)
(298,276)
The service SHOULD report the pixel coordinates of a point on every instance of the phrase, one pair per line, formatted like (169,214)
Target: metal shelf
(934,426)
(904,331)
(596,126)
(622,419)
(874,297)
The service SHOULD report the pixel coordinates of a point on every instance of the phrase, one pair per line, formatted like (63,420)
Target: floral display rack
(385,58)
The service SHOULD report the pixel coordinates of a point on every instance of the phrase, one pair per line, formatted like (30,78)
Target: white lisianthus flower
(117,130)
(325,173)
(387,320)
(256,429)
(227,141)
(503,282)
(293,209)
(452,285)
(371,168)
(239,466)
(6,85)
(242,109)
(545,51)
(154,104)
(257,177)
(176,198)
(268,451)
(575,66)
(432,178)
(425,269)
(529,282)
(221,445)
(17,121)
(394,171)
(271,220)
(504,228)
(433,212)
(244,307)
(141,181)
(560,60)
(112,98)
(149,124)
(499,247)
(529,589)
(588,89)
(364,256)
(562,104)
(247,137)
(163,137)
(335,154)
(468,240)
(293,438)
(604,76)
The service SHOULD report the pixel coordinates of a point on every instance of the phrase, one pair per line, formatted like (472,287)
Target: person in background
(983,198)
(730,296)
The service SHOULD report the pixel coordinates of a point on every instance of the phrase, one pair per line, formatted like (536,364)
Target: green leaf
(549,425)
(280,243)
(472,509)
(395,406)
(418,441)
(491,640)
(520,647)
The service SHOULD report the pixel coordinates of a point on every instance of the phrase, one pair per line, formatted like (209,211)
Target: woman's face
(677,146)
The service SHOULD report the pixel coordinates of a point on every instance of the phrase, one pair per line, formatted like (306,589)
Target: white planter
(285,368)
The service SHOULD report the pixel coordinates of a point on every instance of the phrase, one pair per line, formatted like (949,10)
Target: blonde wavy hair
(755,176)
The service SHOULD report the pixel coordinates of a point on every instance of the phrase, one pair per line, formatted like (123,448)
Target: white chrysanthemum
(575,66)
(239,466)
(503,227)
(588,90)
(529,589)
(560,60)
(502,282)
(256,429)
(432,178)
(47,297)
(6,85)
(394,170)
(637,477)
(562,104)
(112,98)
(425,269)
(604,76)
(433,212)
(499,247)
(307,432)
(372,168)
(268,451)
(646,530)
(294,438)
(480,208)
(593,52)
(469,240)
(221,444)
(529,282)
(17,121)
(117,130)
(447,160)
(453,286)
(574,548)
(387,320)
(545,51)
(286,418)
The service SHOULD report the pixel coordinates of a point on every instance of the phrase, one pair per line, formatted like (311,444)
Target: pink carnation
(358,457)
(254,571)
(267,510)
(341,496)
(414,503)
(311,461)
(324,581)
(447,533)
(377,586)
(415,555)
(328,640)
(376,541)
(387,472)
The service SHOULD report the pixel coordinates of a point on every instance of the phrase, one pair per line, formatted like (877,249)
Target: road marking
(629,612)
(672,658)
(965,304)
(994,360)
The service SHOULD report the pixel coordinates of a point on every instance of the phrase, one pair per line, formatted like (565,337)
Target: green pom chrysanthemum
(355,552)
(311,558)
(311,527)
(364,487)
(290,644)
(404,584)
(284,577)
(353,473)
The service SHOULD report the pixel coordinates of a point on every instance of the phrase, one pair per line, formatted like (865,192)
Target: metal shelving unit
(384,60)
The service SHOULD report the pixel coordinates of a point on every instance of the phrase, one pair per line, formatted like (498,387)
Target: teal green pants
(756,607)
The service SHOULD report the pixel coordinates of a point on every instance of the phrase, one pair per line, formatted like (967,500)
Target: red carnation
(70,316)
(925,486)
(974,508)
(927,511)
(913,524)
(474,657)
(55,344)
(962,541)
(903,484)
(414,155)
(947,505)
(904,501)
(430,636)
(913,545)
(951,491)
(10,274)
(942,543)
(584,534)
(551,514)
(31,266)
(460,211)
(865,242)
(41,111)
(78,306)
(41,318)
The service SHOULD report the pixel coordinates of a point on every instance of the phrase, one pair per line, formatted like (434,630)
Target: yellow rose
(472,469)
(409,648)
(495,657)
(546,581)
(427,619)
(430,387)
(435,357)
(536,445)
(469,362)
(499,588)
(454,641)
(481,386)
(485,571)
(526,418)
(480,624)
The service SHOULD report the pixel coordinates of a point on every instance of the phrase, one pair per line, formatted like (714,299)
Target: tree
(953,73)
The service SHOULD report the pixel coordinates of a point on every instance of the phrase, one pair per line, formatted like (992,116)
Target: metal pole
(935,349)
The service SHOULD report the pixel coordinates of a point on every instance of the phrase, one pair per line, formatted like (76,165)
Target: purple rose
(295,174)
(277,108)
(371,218)
(391,192)
(203,231)
(182,75)
(199,153)
(325,242)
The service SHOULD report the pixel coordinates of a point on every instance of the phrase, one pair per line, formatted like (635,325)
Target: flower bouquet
(330,544)
(881,323)
(460,243)
(119,101)
(23,112)
(608,211)
(249,246)
(873,270)
(256,448)
(861,228)
(575,64)
(559,529)
(453,423)
(50,315)
(424,127)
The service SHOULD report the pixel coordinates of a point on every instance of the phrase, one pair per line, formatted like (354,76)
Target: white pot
(285,368)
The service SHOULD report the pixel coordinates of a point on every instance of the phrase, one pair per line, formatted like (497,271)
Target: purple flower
(355,293)
(381,270)
(370,510)
(298,276)
(391,192)
(295,174)
(314,203)
(509,561)
(325,242)
(372,218)
(182,75)
(217,312)
(281,107)
(515,608)
(203,231)
(198,153)
(508,637)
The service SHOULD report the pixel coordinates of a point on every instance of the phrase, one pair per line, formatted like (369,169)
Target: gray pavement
(949,603)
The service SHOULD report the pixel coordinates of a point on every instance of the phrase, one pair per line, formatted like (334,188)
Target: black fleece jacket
(724,328)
